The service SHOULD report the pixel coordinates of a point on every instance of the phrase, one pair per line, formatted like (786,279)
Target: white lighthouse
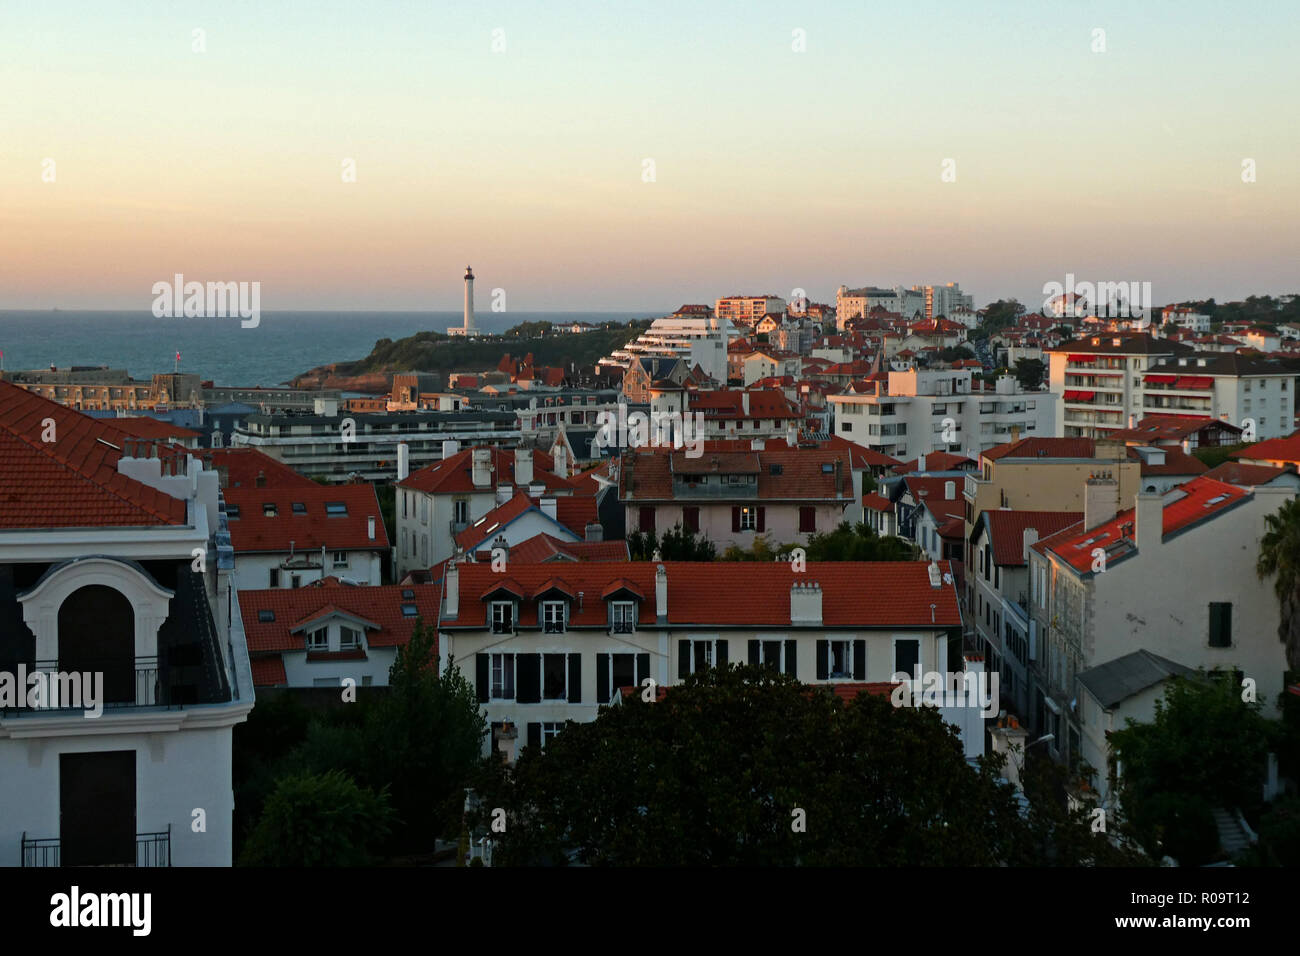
(470,328)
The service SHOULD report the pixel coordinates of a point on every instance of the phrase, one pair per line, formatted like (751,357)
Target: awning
(1082,359)
(1075,396)
(1160,379)
(1195,381)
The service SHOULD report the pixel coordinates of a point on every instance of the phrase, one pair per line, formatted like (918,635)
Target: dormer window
(349,639)
(553,617)
(319,639)
(624,617)
(268,509)
(503,617)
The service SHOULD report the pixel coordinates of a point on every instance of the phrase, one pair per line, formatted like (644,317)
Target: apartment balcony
(151,849)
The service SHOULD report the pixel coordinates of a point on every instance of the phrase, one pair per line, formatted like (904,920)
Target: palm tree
(1279,554)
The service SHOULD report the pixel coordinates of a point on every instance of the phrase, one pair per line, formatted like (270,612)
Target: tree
(742,766)
(858,543)
(679,543)
(1001,314)
(319,820)
(424,739)
(1029,372)
(1279,557)
(1205,748)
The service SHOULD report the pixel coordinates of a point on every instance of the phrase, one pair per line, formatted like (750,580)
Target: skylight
(336,509)
(299,508)
(265,617)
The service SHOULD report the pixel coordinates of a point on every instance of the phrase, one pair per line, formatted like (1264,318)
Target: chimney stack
(481,470)
(403,460)
(450,447)
(451,590)
(805,603)
(661,595)
(562,461)
(1029,540)
(920,463)
(523,467)
(548,508)
(949,490)
(1148,523)
(1100,500)
(595,531)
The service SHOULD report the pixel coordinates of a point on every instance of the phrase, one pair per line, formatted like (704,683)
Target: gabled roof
(454,475)
(1155,428)
(936,461)
(1044,448)
(72,481)
(245,466)
(544,547)
(1006,530)
(1115,681)
(1236,473)
(783,473)
(1273,449)
(742,594)
(146,427)
(380,605)
(310,527)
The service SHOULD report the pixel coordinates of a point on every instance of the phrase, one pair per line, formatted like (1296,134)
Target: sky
(640,155)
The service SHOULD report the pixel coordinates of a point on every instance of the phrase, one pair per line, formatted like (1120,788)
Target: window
(807,519)
(624,617)
(748,518)
(503,677)
(410,610)
(349,638)
(265,617)
(549,731)
(461,509)
(340,559)
(318,640)
(232,512)
(296,581)
(907,654)
(555,673)
(840,659)
(1220,624)
(691,519)
(503,617)
(275,578)
(336,509)
(646,519)
(299,508)
(268,509)
(622,670)
(553,617)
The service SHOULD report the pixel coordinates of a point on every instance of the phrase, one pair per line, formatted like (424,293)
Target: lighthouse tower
(470,327)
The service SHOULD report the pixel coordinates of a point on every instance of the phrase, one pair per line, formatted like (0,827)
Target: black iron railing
(119,682)
(151,849)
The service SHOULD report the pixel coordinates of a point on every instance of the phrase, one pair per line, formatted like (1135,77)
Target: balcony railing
(151,849)
(122,682)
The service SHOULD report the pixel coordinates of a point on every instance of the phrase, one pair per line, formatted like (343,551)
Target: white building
(700,340)
(926,410)
(114,563)
(1252,394)
(858,303)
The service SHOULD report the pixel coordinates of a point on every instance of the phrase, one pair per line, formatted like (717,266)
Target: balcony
(185,678)
(151,849)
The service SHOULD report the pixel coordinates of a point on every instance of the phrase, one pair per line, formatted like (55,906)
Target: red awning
(1084,359)
(1074,396)
(1195,381)
(1161,379)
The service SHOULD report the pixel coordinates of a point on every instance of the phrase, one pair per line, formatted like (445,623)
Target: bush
(319,820)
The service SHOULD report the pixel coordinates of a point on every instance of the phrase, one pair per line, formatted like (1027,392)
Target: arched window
(97,635)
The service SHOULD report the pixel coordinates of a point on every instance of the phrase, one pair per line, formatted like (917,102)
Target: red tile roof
(1044,448)
(253,531)
(1006,530)
(1190,503)
(73,481)
(269,671)
(454,475)
(936,461)
(545,547)
(292,607)
(146,427)
(243,467)
(854,594)
(1177,462)
(1235,473)
(729,403)
(877,502)
(783,474)
(1274,449)
(1155,428)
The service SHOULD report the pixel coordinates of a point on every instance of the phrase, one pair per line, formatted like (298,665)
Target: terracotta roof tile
(309,528)
(381,604)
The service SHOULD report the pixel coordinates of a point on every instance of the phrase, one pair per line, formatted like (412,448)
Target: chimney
(661,595)
(1100,501)
(757,444)
(505,491)
(548,508)
(403,460)
(1149,521)
(562,461)
(523,466)
(370,527)
(595,531)
(451,590)
(1015,434)
(260,481)
(805,603)
(450,447)
(1030,538)
(481,469)
(920,463)
(949,490)
(744,402)
(792,436)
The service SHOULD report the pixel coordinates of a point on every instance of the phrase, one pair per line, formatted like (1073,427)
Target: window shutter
(534,734)
(753,652)
(481,678)
(807,518)
(528,678)
(823,660)
(860,660)
(683,659)
(735,518)
(575,678)
(762,514)
(642,668)
(602,679)
(720,653)
(791,657)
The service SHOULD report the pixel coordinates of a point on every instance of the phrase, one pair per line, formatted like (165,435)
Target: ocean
(283,345)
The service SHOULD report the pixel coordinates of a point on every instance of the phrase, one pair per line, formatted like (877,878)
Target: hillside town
(1064,523)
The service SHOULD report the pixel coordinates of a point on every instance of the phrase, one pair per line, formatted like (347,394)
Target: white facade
(700,341)
(255,571)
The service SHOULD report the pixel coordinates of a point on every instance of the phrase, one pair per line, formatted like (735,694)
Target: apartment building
(340,447)
(699,340)
(770,363)
(1253,394)
(748,310)
(294,536)
(943,300)
(543,644)
(925,410)
(858,303)
(1173,576)
(98,388)
(1098,380)
(730,413)
(114,567)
